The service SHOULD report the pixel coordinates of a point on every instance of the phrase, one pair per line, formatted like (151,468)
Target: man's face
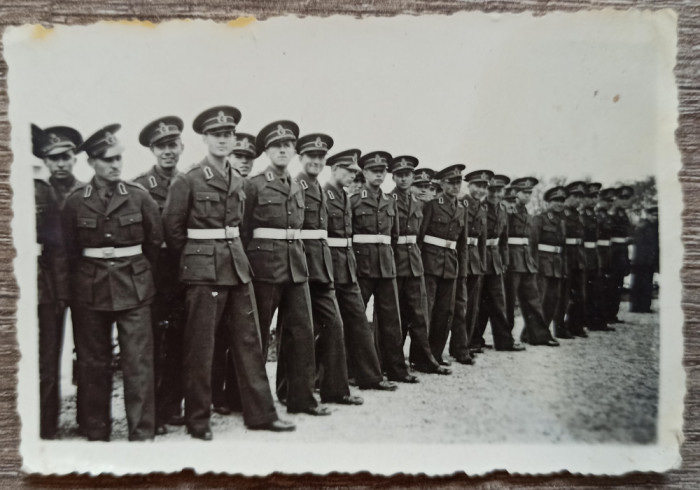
(220,143)
(653,217)
(241,163)
(451,187)
(524,197)
(167,153)
(587,201)
(313,162)
(556,205)
(374,176)
(61,165)
(421,191)
(509,205)
(108,169)
(477,190)
(495,194)
(403,179)
(342,176)
(603,204)
(432,192)
(621,202)
(574,200)
(281,153)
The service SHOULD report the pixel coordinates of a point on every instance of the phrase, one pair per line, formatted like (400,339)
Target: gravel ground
(603,389)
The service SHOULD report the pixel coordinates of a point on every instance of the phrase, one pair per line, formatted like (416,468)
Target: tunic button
(289,212)
(111,263)
(108,235)
(107,218)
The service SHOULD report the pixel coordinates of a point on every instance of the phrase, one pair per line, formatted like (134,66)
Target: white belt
(213,233)
(603,243)
(404,240)
(492,242)
(111,252)
(385,239)
(589,244)
(518,241)
(314,234)
(39,249)
(163,245)
(277,233)
(574,241)
(339,242)
(617,239)
(440,242)
(548,248)
(472,241)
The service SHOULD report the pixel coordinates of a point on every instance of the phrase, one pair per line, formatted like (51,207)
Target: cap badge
(354,158)
(162,128)
(53,139)
(280,130)
(378,160)
(221,118)
(403,163)
(318,143)
(110,139)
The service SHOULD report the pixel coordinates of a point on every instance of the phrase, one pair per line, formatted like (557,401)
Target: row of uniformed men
(247,247)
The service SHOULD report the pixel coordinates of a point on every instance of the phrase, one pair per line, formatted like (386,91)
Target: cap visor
(113,151)
(59,149)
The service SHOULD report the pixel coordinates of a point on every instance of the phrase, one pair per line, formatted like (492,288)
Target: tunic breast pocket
(205,202)
(366,219)
(311,213)
(86,228)
(132,226)
(439,226)
(198,263)
(336,220)
(269,205)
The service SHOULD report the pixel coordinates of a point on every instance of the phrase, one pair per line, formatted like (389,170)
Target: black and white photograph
(415,244)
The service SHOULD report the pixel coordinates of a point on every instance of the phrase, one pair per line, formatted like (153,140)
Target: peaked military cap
(499,181)
(652,210)
(608,194)
(375,159)
(359,178)
(276,132)
(315,142)
(557,192)
(404,162)
(510,193)
(525,184)
(451,172)
(423,176)
(593,189)
(217,118)
(576,188)
(437,184)
(54,140)
(245,145)
(347,159)
(479,176)
(161,130)
(103,143)
(625,192)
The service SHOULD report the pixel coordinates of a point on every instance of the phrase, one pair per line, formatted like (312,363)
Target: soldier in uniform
(570,316)
(243,154)
(435,189)
(420,187)
(113,234)
(362,356)
(521,277)
(162,137)
(413,306)
(605,199)
(56,146)
(645,261)
(443,242)
(595,319)
(272,234)
(202,216)
(492,305)
(548,238)
(619,253)
(375,227)
(331,362)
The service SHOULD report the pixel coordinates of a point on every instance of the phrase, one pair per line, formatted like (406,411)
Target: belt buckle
(108,252)
(290,234)
(228,232)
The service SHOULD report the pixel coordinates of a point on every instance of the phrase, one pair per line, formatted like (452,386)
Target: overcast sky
(574,95)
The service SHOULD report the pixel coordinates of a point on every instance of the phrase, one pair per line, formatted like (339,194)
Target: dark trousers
(475,284)
(361,353)
(94,346)
(550,291)
(331,363)
(295,335)
(387,330)
(492,308)
(51,328)
(523,287)
(459,330)
(232,308)
(595,300)
(224,386)
(642,288)
(413,306)
(441,301)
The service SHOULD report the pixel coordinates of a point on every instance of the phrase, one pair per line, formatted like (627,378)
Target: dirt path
(600,389)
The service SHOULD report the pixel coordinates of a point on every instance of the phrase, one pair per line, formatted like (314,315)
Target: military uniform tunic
(445,220)
(167,311)
(113,289)
(571,312)
(645,263)
(219,292)
(281,279)
(621,229)
(362,355)
(410,283)
(374,213)
(548,239)
(595,319)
